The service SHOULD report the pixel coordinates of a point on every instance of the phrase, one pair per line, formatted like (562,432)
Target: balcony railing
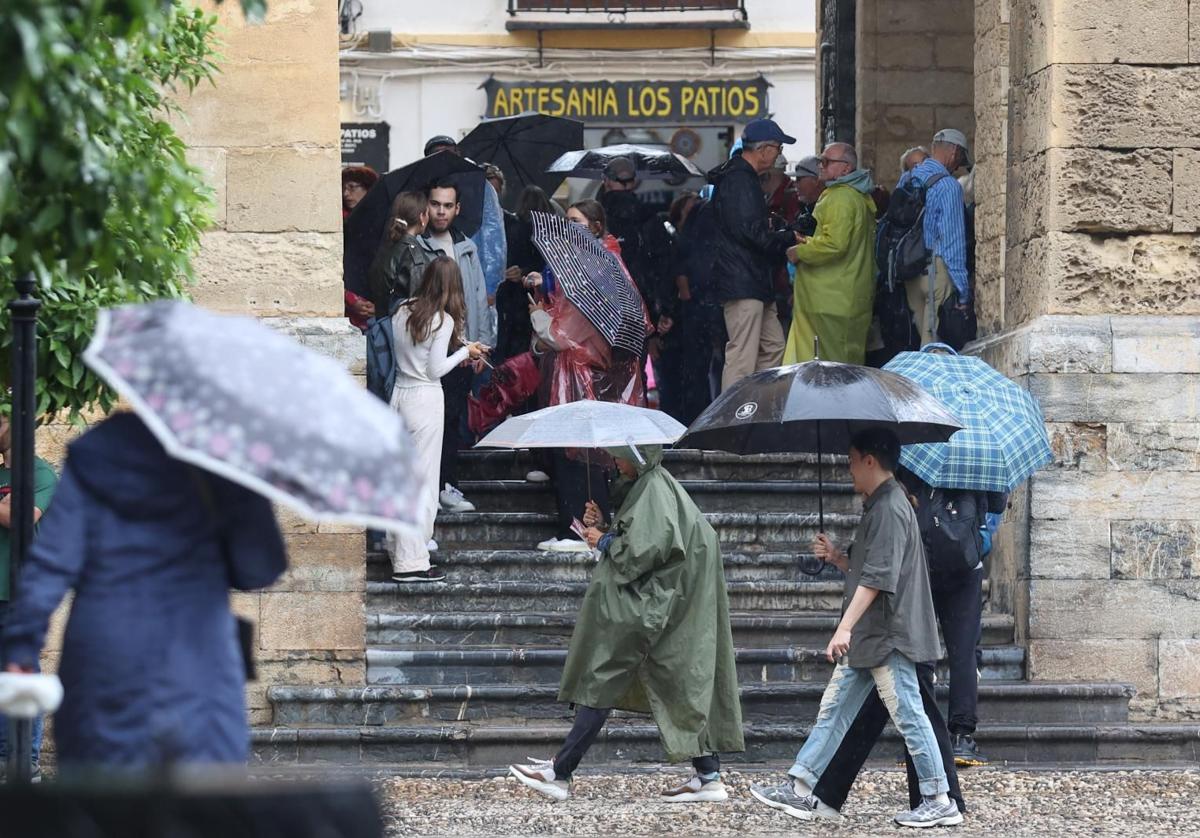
(603,14)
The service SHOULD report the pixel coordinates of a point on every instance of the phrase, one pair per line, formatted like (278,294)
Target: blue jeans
(896,680)
(37,723)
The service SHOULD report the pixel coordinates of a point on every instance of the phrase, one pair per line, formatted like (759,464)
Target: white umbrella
(585,424)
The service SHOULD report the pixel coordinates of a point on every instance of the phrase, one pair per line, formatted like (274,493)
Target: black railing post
(24,311)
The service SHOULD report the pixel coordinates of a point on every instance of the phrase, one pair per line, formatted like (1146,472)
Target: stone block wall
(991,160)
(916,61)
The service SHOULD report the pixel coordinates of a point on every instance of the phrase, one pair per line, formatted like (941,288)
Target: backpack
(381,355)
(949,522)
(900,250)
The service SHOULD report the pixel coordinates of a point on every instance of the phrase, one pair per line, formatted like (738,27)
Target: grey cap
(958,138)
(808,166)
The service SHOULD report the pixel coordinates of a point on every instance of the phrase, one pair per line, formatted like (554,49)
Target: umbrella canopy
(817,406)
(238,399)
(365,227)
(524,146)
(593,280)
(651,163)
(585,424)
(1004,437)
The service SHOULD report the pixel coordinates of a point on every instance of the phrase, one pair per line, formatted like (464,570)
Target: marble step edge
(521,587)
(673,455)
(833,519)
(699,486)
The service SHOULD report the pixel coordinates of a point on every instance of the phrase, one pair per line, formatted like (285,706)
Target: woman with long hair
(395,274)
(429,344)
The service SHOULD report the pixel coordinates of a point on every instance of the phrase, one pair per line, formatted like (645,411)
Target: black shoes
(434,574)
(966,752)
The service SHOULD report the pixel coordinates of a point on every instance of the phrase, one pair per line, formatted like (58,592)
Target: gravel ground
(1064,804)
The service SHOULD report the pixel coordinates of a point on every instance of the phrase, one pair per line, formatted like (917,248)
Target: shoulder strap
(927,185)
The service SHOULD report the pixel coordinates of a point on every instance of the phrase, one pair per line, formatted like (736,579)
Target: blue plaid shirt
(945,230)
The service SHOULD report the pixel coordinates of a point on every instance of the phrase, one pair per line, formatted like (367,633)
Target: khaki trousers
(917,291)
(756,339)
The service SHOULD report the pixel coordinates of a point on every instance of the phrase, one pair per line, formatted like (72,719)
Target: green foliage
(96,196)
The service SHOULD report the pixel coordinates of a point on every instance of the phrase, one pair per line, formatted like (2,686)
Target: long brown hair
(593,211)
(441,293)
(406,211)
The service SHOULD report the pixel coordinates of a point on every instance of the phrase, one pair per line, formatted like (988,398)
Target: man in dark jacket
(747,252)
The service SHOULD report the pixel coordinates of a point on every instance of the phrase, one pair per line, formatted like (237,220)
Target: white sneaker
(537,476)
(452,500)
(547,545)
(540,777)
(431,546)
(570,545)
(695,791)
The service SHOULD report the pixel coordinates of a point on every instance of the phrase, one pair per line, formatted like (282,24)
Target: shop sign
(623,102)
(365,144)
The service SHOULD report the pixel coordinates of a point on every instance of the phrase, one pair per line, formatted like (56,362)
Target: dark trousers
(589,721)
(455,387)
(864,733)
(960,612)
(571,479)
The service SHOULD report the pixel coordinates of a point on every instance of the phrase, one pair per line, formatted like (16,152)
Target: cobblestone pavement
(1065,804)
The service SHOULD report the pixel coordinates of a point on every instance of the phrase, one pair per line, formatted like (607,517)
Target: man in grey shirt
(887,627)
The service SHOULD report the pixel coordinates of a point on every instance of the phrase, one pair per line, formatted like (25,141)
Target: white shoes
(452,500)
(431,545)
(563,545)
(537,476)
(695,791)
(540,777)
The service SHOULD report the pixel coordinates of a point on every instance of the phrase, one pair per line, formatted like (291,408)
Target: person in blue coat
(151,664)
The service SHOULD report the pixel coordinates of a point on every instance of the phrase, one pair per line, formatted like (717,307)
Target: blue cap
(765,131)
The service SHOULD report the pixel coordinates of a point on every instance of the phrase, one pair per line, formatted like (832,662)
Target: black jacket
(746,251)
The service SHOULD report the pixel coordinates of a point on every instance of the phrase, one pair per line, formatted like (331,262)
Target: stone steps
(542,665)
(484,748)
(520,705)
(478,629)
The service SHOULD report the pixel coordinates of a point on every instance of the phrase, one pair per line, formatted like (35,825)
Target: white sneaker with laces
(540,777)
(431,546)
(931,813)
(537,476)
(570,545)
(696,791)
(452,500)
(547,545)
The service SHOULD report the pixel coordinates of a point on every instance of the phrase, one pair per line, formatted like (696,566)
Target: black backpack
(900,251)
(949,521)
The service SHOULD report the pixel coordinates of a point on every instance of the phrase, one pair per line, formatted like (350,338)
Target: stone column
(1101,320)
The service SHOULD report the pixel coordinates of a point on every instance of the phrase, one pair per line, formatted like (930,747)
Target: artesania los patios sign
(632,101)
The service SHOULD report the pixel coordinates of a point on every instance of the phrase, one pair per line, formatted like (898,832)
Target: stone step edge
(705,486)
(839,519)
(527,619)
(541,655)
(475,556)
(671,455)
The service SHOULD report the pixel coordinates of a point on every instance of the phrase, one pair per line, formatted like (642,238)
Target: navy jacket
(746,251)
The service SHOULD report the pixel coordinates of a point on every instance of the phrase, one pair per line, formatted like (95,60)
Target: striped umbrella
(1003,440)
(593,280)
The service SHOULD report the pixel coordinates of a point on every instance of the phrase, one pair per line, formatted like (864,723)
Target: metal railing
(610,7)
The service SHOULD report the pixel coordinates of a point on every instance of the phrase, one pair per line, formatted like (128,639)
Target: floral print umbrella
(233,397)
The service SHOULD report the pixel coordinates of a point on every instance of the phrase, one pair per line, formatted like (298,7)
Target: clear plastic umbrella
(238,399)
(585,424)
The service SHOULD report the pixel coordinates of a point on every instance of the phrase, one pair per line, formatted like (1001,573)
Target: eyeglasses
(826,161)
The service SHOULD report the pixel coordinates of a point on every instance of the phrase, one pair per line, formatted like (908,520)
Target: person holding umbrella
(653,634)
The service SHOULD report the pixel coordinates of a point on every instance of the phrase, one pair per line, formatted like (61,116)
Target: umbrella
(1004,437)
(585,424)
(523,146)
(238,399)
(364,229)
(593,280)
(815,407)
(652,163)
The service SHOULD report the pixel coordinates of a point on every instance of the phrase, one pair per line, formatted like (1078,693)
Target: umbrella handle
(820,483)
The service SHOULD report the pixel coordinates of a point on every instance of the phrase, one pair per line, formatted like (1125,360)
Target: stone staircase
(463,675)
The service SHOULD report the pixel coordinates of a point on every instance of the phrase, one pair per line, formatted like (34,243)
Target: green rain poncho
(835,275)
(653,632)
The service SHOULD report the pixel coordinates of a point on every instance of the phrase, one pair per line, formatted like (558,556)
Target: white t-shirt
(424,364)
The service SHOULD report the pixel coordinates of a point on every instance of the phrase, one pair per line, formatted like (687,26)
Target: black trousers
(852,754)
(571,478)
(589,721)
(959,610)
(456,384)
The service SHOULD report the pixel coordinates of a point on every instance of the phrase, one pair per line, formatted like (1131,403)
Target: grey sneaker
(931,813)
(784,798)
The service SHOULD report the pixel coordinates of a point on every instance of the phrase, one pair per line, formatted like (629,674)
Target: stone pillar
(915,65)
(991,160)
(1101,320)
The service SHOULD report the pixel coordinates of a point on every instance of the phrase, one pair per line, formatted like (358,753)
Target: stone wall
(916,68)
(991,160)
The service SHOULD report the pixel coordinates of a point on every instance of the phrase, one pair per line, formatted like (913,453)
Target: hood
(122,465)
(942,348)
(860,179)
(646,456)
(732,165)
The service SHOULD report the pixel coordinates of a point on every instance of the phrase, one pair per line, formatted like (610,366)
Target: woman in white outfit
(426,328)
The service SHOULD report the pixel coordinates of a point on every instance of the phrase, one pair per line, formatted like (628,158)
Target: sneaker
(784,798)
(966,752)
(431,546)
(452,500)
(547,545)
(434,574)
(537,476)
(570,545)
(696,790)
(540,777)
(931,813)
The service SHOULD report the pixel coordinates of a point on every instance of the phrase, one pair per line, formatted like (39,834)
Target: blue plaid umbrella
(1004,437)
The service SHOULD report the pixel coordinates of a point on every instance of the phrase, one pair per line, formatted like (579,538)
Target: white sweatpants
(423,410)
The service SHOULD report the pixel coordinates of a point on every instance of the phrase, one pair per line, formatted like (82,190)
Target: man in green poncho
(653,634)
(835,267)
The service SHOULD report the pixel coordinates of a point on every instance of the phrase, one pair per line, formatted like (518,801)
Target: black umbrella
(523,146)
(651,163)
(592,279)
(815,407)
(363,231)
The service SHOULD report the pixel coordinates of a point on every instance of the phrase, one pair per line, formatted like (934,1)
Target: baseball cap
(807,167)
(620,169)
(765,130)
(958,138)
(439,140)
